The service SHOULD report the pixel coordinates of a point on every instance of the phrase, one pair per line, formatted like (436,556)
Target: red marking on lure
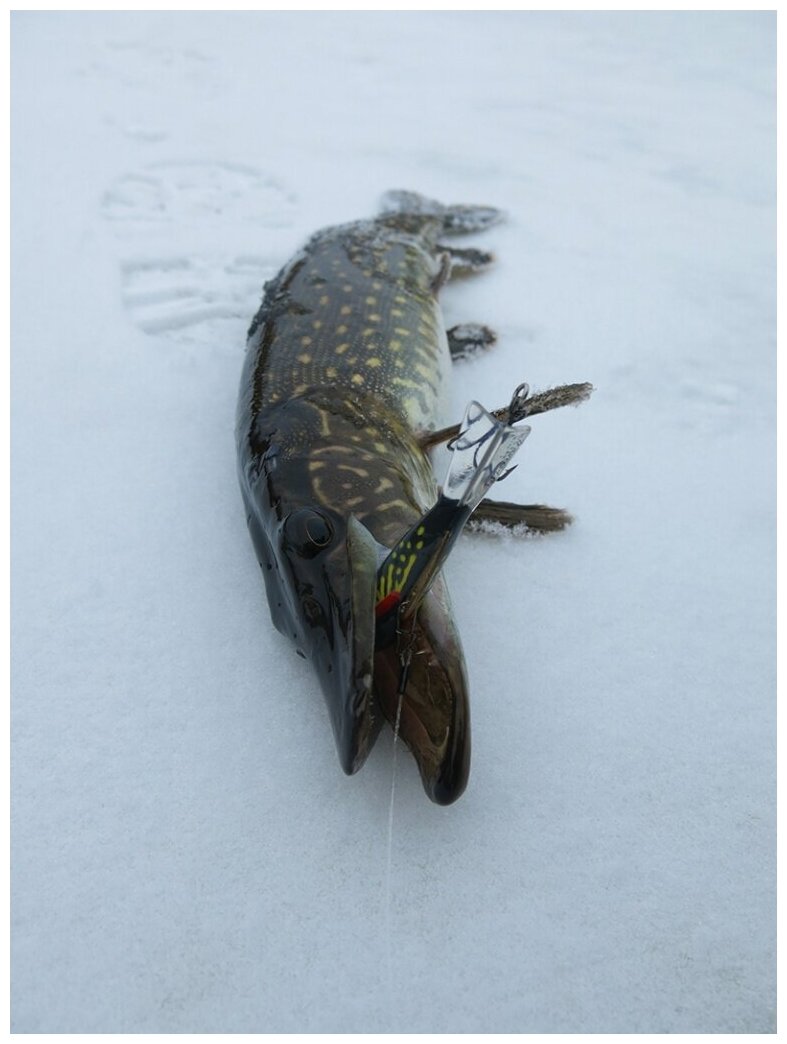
(385,605)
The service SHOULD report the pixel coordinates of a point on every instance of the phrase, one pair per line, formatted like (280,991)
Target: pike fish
(342,394)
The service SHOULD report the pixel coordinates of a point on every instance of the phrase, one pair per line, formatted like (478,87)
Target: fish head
(323,591)
(320,569)
(320,562)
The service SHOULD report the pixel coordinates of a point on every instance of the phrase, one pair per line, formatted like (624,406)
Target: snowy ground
(187,855)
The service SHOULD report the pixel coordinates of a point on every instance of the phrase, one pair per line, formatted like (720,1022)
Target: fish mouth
(362,683)
(344,657)
(428,704)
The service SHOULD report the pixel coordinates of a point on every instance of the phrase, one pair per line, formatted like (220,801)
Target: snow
(187,855)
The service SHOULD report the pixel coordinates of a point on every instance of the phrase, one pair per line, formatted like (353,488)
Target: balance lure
(341,397)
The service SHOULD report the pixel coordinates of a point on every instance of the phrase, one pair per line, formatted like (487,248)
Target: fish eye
(307,532)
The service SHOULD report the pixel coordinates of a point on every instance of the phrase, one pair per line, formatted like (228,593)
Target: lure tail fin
(456,219)
(480,455)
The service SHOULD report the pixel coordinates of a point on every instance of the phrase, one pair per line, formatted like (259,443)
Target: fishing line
(405,657)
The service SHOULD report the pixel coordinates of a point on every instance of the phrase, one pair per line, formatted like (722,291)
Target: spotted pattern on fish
(356,309)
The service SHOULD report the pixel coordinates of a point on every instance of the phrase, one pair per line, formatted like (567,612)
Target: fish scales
(347,367)
(357,309)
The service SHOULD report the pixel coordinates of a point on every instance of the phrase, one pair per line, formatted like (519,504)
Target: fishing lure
(481,452)
(341,399)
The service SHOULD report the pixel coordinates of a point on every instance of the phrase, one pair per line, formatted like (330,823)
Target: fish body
(347,369)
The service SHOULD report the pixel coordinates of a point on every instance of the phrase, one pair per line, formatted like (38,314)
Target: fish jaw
(347,679)
(434,712)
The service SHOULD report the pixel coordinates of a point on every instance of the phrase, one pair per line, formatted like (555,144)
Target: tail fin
(457,219)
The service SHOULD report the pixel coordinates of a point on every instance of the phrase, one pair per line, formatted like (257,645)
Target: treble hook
(518,399)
